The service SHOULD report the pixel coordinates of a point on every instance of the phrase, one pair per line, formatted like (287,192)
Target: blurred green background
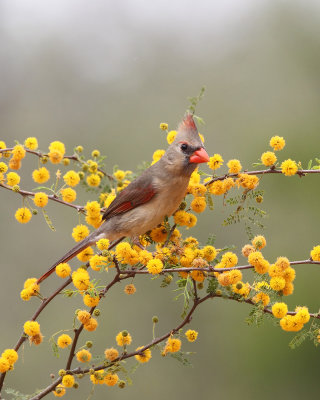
(104,74)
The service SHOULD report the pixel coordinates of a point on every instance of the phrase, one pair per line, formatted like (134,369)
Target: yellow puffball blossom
(289,274)
(289,167)
(157,155)
(209,253)
(57,146)
(31,328)
(195,178)
(85,255)
(283,263)
(93,180)
(289,323)
(109,200)
(13,178)
(268,158)
(111,379)
(261,297)
(64,341)
(279,310)
(171,136)
(18,152)
(315,253)
(71,178)
(97,377)
(14,164)
(173,345)
(10,355)
(201,137)
(31,143)
(243,289)
(302,315)
(3,167)
(130,289)
(144,257)
(119,175)
(93,208)
(259,242)
(247,249)
(103,244)
(68,380)
(91,301)
(83,356)
(83,316)
(23,215)
(197,189)
(55,156)
(144,356)
(41,175)
(215,162)
(4,365)
(123,339)
(181,217)
(229,260)
(91,325)
(198,204)
(81,279)
(3,146)
(192,220)
(63,270)
(277,283)
(248,181)
(159,234)
(40,199)
(163,126)
(111,354)
(218,187)
(97,262)
(277,143)
(154,267)
(191,335)
(80,232)
(59,391)
(234,166)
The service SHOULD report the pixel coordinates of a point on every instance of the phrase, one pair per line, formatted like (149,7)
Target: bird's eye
(184,147)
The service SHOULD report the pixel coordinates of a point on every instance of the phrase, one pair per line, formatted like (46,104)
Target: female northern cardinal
(156,193)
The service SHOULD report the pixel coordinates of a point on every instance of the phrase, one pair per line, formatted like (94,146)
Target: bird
(152,196)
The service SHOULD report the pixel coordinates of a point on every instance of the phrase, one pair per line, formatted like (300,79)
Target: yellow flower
(71,178)
(91,301)
(85,254)
(289,167)
(215,162)
(283,263)
(109,200)
(123,338)
(192,220)
(289,274)
(68,195)
(163,126)
(64,341)
(3,167)
(197,189)
(302,315)
(4,365)
(154,267)
(259,242)
(57,146)
(201,137)
(93,208)
(315,253)
(14,164)
(13,179)
(277,283)
(209,253)
(144,257)
(68,380)
(83,316)
(229,260)
(277,143)
(81,279)
(41,175)
(31,143)
(18,152)
(23,215)
(171,136)
(181,217)
(144,356)
(241,288)
(288,289)
(279,310)
(31,328)
(59,391)
(95,153)
(93,180)
(40,199)
(248,181)
(159,234)
(55,156)
(191,335)
(91,325)
(111,354)
(63,270)
(83,356)
(172,345)
(10,355)
(195,178)
(3,146)
(157,155)
(96,262)
(217,188)
(98,377)
(247,249)
(263,297)
(80,232)
(93,168)
(290,323)
(268,158)
(103,244)
(234,166)
(119,175)
(130,289)
(111,379)
(198,204)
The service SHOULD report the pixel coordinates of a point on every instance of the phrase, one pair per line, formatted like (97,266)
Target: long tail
(70,254)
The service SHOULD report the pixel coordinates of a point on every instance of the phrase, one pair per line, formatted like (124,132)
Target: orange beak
(199,156)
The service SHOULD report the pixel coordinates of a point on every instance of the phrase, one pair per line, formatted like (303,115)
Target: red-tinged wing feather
(138,192)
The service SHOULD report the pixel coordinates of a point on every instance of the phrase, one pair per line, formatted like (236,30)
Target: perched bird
(155,194)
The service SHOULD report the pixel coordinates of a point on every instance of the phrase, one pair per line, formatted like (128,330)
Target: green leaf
(181,357)
(54,347)
(211,240)
(209,201)
(309,164)
(48,220)
(298,339)
(255,316)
